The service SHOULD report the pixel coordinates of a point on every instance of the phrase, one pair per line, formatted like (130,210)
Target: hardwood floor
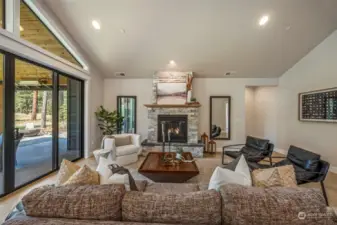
(206,166)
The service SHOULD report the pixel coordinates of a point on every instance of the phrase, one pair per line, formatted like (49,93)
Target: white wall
(250,110)
(317,70)
(142,88)
(266,113)
(96,100)
(203,88)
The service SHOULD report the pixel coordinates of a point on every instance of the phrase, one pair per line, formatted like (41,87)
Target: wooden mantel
(194,105)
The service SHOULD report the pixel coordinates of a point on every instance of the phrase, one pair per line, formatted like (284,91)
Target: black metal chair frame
(258,156)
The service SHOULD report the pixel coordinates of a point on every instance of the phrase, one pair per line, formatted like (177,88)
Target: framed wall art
(318,106)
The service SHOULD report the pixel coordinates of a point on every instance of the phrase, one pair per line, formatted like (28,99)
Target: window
(1,126)
(33,141)
(70,116)
(41,121)
(33,30)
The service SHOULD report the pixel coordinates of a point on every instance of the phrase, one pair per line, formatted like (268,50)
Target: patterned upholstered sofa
(172,204)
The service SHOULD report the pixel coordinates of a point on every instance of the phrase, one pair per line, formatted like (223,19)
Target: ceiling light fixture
(172,62)
(263,20)
(96,24)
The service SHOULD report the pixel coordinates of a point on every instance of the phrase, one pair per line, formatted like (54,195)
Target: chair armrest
(236,147)
(136,139)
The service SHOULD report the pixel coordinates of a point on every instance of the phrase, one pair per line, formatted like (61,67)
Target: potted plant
(108,122)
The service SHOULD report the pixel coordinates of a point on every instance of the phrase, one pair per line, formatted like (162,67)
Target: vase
(189,96)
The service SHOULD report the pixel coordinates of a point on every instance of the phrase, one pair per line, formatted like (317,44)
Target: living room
(216,97)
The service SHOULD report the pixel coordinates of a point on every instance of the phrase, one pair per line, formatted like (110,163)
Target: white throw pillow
(242,167)
(104,170)
(222,176)
(120,179)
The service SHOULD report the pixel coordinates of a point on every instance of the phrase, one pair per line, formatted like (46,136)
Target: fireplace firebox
(173,128)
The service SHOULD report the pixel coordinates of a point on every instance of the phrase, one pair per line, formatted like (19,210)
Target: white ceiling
(208,37)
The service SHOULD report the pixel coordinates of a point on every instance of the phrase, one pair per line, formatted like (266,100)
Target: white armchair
(121,148)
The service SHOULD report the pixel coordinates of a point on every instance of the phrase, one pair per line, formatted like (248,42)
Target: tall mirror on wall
(127,107)
(220,108)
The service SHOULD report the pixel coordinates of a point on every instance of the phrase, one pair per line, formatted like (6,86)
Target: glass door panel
(33,122)
(126,107)
(1,125)
(70,118)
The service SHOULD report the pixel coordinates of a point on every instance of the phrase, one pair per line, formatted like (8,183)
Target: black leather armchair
(308,166)
(254,150)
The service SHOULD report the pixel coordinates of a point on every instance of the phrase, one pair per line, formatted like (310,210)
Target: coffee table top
(152,163)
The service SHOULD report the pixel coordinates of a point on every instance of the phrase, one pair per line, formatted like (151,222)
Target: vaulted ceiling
(208,37)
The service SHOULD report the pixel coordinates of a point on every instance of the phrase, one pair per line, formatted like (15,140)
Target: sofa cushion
(67,169)
(283,176)
(303,158)
(301,174)
(233,154)
(25,220)
(121,140)
(198,208)
(96,202)
(272,206)
(126,150)
(257,143)
(240,175)
(83,176)
(169,188)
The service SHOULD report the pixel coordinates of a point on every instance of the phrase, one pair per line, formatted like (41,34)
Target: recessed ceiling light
(96,24)
(172,62)
(263,20)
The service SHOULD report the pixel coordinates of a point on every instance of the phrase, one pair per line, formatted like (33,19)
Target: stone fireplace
(172,128)
(179,121)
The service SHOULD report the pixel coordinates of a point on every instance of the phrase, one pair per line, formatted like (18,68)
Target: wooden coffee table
(154,169)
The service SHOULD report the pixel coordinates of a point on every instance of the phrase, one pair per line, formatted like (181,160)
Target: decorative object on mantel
(189,87)
(204,140)
(192,105)
(211,147)
(318,106)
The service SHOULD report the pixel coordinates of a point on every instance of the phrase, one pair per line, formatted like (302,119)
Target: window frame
(9,116)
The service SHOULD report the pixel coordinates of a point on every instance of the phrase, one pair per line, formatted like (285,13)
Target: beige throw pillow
(283,176)
(83,176)
(67,169)
(122,140)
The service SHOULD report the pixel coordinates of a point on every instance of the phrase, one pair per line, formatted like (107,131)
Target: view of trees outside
(35,107)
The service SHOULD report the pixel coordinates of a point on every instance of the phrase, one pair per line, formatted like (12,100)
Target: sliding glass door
(33,121)
(70,119)
(1,124)
(41,121)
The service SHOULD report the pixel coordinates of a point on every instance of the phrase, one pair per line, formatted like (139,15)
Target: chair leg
(223,156)
(324,193)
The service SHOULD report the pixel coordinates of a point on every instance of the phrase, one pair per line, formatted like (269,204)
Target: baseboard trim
(333,169)
(282,151)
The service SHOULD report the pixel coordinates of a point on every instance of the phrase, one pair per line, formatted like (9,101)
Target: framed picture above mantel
(318,106)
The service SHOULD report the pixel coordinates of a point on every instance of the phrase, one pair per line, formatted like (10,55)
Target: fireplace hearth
(172,128)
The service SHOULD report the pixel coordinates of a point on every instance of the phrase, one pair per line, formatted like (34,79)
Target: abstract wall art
(318,106)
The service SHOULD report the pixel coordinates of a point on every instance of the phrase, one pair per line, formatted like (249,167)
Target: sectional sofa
(173,204)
